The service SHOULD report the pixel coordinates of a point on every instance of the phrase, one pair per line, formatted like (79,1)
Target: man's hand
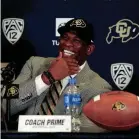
(62,67)
(72,64)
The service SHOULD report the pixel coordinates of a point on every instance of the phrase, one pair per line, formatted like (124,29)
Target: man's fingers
(74,68)
(60,55)
(71,60)
(73,64)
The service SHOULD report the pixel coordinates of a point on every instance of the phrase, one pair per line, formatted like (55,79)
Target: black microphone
(8,73)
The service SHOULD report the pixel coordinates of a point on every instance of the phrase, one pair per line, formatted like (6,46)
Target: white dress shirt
(41,86)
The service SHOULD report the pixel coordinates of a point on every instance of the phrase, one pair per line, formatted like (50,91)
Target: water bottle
(68,97)
(76,104)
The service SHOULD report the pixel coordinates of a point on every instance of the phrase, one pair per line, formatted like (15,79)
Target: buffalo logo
(124,29)
(78,23)
(13,91)
(121,74)
(61,25)
(13,29)
(118,106)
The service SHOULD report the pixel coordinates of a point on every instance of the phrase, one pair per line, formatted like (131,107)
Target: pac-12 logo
(124,29)
(13,29)
(121,74)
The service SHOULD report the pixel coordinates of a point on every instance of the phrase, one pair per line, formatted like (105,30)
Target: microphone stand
(8,110)
(6,117)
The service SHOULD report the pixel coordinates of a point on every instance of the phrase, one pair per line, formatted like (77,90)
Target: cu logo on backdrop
(124,29)
(13,29)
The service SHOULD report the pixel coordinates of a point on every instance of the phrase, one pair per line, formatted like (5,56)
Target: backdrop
(116,34)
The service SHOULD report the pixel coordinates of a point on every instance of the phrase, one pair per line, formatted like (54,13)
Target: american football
(114,111)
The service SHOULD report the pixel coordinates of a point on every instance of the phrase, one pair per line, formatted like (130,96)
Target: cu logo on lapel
(12,91)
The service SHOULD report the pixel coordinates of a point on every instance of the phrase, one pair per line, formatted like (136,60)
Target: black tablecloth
(12,133)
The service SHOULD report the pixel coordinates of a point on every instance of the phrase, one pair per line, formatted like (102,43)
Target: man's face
(70,44)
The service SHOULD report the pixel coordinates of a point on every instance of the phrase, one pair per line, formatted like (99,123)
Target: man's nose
(69,43)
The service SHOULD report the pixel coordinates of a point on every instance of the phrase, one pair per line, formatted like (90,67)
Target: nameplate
(44,123)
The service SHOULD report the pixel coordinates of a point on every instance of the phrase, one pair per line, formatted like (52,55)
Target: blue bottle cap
(72,81)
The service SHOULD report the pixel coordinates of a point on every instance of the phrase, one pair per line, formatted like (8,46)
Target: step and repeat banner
(30,28)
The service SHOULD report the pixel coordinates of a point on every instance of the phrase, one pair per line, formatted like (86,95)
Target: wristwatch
(49,76)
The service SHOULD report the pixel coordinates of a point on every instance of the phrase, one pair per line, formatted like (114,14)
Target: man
(35,85)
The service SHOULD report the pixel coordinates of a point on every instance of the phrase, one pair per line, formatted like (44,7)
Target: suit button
(23,100)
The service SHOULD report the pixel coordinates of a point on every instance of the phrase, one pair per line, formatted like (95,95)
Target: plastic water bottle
(76,104)
(68,97)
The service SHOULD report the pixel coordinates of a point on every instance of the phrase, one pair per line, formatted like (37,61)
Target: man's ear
(90,49)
